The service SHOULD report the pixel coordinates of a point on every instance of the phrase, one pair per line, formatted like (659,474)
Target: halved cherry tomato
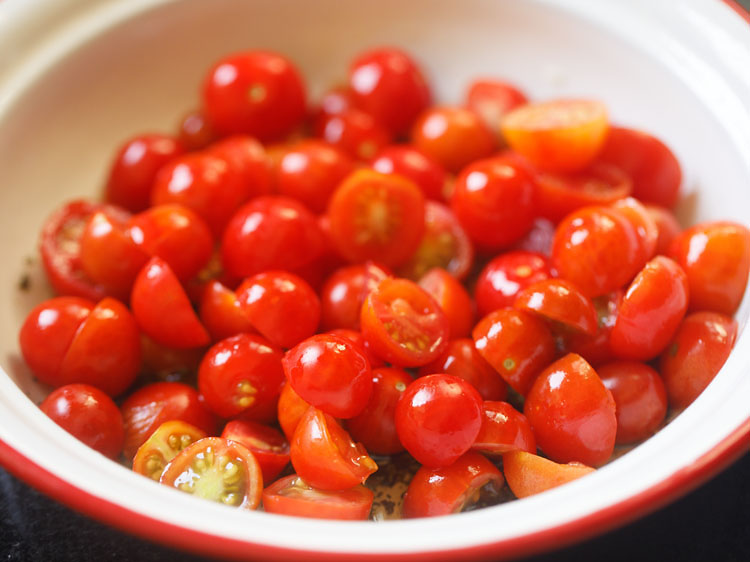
(503,429)
(344,292)
(572,413)
(89,415)
(324,455)
(221,312)
(354,132)
(559,135)
(403,324)
(451,489)
(596,349)
(561,302)
(292,496)
(219,470)
(194,132)
(452,298)
(667,227)
(528,474)
(268,445)
(163,445)
(438,417)
(290,409)
(412,163)
(492,99)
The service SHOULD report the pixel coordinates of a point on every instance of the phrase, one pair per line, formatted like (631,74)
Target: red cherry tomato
(438,417)
(344,292)
(572,413)
(221,312)
(388,84)
(335,101)
(134,168)
(165,363)
(403,324)
(163,445)
(376,217)
(504,429)
(242,375)
(359,340)
(292,496)
(410,162)
(517,344)
(561,302)
(716,258)
(643,223)
(194,132)
(492,99)
(596,349)
(354,132)
(696,354)
(667,227)
(248,162)
(89,415)
(640,398)
(290,409)
(453,136)
(152,405)
(324,455)
(375,425)
(453,299)
(652,166)
(268,445)
(493,200)
(259,93)
(538,239)
(462,360)
(219,470)
(450,489)
(528,474)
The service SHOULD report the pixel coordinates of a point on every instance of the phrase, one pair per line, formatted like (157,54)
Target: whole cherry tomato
(293,496)
(643,223)
(354,132)
(163,445)
(410,162)
(194,132)
(596,349)
(344,292)
(268,445)
(667,227)
(503,429)
(248,163)
(221,312)
(528,474)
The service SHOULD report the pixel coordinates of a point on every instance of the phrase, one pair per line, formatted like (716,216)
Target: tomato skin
(324,455)
(164,444)
(359,340)
(221,312)
(268,445)
(528,474)
(247,161)
(344,292)
(453,299)
(388,84)
(258,93)
(596,349)
(376,217)
(572,413)
(242,375)
(696,354)
(134,168)
(281,306)
(240,485)
(437,418)
(492,99)
(716,259)
(290,409)
(538,239)
(194,132)
(654,169)
(493,200)
(462,360)
(410,162)
(640,397)
(508,273)
(667,227)
(152,405)
(375,425)
(517,344)
(89,415)
(403,324)
(645,226)
(354,132)
(559,301)
(651,310)
(504,429)
(444,490)
(292,496)
(335,101)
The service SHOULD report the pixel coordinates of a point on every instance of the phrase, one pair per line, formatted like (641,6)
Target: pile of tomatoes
(280,298)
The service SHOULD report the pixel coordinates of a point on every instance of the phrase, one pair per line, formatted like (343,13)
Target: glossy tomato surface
(293,496)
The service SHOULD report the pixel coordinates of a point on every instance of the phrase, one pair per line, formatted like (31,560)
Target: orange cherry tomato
(290,409)
(528,474)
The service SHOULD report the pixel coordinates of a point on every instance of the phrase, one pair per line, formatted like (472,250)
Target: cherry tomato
(696,354)
(163,445)
(492,99)
(259,93)
(597,249)
(643,223)
(89,415)
(403,324)
(354,132)
(572,413)
(134,169)
(453,299)
(335,101)
(503,429)
(242,375)
(268,445)
(438,417)
(324,455)
(559,135)
(640,398)
(69,340)
(248,162)
(194,132)
(716,258)
(667,227)
(344,292)
(281,306)
(410,162)
(517,344)
(359,340)
(219,470)
(596,349)
(270,233)
(493,200)
(462,360)
(453,136)
(376,217)
(652,166)
(292,496)
(388,84)
(221,312)
(451,489)
(152,405)
(290,409)
(561,302)
(538,239)
(651,310)
(375,425)
(507,274)
(164,363)
(528,474)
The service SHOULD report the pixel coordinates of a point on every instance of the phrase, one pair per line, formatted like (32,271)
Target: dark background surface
(711,523)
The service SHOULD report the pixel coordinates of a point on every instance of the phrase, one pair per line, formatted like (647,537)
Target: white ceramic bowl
(79,76)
